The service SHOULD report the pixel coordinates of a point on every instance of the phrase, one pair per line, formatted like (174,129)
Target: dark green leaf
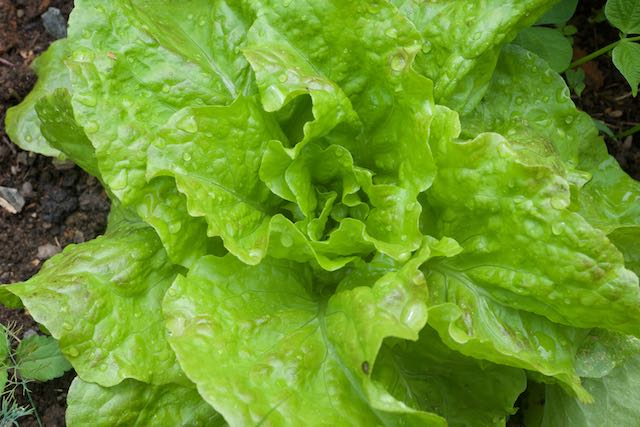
(626,57)
(549,44)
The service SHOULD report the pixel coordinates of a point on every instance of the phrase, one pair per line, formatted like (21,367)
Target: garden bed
(63,205)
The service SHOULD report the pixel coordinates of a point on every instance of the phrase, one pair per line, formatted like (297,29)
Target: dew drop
(186,157)
(373,8)
(419,279)
(556,228)
(166,88)
(391,32)
(404,256)
(91,127)
(256,253)
(398,62)
(72,352)
(533,229)
(119,181)
(283,78)
(414,315)
(476,36)
(67,326)
(426,47)
(286,240)
(559,202)
(188,124)
(87,100)
(504,151)
(175,227)
(568,120)
(519,100)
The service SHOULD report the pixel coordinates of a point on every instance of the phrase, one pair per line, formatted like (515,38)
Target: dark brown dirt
(66,205)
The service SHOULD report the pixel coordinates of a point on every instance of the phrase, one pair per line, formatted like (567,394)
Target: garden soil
(64,205)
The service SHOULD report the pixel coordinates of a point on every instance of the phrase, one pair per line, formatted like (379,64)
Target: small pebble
(47,251)
(21,158)
(11,200)
(27,189)
(29,333)
(54,23)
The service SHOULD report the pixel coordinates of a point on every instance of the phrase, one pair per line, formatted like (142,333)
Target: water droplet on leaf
(391,32)
(91,127)
(188,124)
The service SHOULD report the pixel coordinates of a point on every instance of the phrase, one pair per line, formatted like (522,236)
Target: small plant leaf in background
(624,14)
(560,13)
(575,79)
(549,44)
(626,58)
(603,128)
(39,358)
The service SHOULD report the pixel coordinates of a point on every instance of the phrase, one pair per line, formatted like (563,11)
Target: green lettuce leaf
(59,127)
(126,86)
(22,122)
(531,105)
(507,198)
(428,375)
(221,184)
(299,354)
(494,301)
(132,403)
(462,41)
(115,284)
(610,366)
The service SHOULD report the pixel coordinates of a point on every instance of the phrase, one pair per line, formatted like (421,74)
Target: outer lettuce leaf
(126,86)
(531,104)
(610,365)
(430,376)
(299,356)
(132,403)
(59,127)
(471,322)
(462,41)
(22,122)
(490,299)
(115,285)
(507,198)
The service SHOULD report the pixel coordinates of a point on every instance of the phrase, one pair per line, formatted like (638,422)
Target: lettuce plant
(333,213)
